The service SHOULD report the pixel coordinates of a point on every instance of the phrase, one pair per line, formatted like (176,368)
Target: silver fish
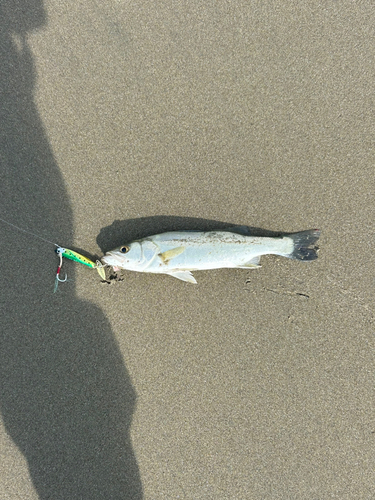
(177,253)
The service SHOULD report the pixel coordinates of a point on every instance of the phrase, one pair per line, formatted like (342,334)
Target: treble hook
(58,279)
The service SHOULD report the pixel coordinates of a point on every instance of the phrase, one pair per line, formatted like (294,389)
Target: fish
(178,253)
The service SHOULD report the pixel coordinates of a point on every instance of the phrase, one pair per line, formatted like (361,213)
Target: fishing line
(28,232)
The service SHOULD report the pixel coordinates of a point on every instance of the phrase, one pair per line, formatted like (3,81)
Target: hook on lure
(58,279)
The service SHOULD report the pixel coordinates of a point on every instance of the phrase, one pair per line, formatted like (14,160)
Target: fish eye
(124,249)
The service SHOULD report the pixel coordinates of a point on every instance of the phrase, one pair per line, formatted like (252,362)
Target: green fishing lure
(77,257)
(64,252)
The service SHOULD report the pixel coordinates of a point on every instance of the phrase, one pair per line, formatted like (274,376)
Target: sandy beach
(125,119)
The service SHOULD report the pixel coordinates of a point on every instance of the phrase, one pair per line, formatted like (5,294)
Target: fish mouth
(111,259)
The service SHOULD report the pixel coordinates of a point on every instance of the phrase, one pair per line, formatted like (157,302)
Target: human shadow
(125,231)
(66,397)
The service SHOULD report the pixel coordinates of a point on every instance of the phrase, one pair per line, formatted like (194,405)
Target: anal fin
(183,276)
(253,263)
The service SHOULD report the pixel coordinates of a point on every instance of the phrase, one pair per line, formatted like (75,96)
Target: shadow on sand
(66,397)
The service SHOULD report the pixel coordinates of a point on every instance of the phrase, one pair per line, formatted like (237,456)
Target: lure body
(77,257)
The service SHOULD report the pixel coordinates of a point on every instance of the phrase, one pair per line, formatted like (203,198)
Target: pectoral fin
(170,254)
(183,276)
(253,263)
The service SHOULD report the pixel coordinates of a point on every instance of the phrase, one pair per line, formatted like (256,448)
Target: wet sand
(124,119)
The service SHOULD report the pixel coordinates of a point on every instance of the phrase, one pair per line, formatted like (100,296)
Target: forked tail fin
(304,248)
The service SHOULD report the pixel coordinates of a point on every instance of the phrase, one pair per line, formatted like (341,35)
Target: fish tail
(303,245)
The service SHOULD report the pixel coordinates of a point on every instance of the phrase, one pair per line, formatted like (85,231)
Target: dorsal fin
(243,230)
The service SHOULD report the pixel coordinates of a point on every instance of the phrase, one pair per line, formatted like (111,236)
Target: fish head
(128,256)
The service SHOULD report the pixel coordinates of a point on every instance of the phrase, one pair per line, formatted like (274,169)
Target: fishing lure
(63,252)
(76,257)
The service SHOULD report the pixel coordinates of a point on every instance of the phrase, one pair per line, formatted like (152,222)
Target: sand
(121,119)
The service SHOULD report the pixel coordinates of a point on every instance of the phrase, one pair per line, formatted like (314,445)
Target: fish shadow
(124,231)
